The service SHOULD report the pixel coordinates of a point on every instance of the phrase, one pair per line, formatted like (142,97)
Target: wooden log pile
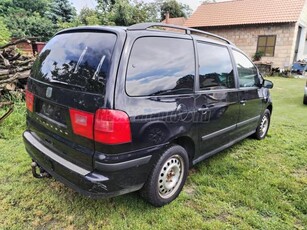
(14,71)
(14,68)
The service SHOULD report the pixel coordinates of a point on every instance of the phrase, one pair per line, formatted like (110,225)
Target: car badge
(49,92)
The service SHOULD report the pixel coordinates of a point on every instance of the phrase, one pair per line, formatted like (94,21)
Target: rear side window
(79,61)
(160,66)
(248,74)
(215,67)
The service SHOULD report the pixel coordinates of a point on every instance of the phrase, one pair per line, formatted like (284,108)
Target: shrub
(4,33)
(258,55)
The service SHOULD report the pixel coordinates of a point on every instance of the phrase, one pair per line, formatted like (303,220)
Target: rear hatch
(67,85)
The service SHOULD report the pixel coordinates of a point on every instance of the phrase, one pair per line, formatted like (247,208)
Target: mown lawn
(253,185)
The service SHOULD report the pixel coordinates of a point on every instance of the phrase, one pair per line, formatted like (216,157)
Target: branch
(14,77)
(4,72)
(15,57)
(11,109)
(24,62)
(24,72)
(15,43)
(4,103)
(6,62)
(21,69)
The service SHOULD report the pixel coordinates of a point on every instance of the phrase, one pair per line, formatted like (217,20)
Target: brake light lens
(82,123)
(29,100)
(108,126)
(112,127)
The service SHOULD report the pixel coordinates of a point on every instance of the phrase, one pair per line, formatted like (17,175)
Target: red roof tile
(240,12)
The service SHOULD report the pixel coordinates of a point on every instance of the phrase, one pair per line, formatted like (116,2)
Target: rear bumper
(105,181)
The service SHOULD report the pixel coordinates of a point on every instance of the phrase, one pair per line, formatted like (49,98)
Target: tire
(167,177)
(263,126)
(305,100)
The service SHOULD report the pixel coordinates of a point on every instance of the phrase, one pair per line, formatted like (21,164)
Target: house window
(266,44)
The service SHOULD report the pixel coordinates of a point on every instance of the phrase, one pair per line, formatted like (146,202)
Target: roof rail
(189,31)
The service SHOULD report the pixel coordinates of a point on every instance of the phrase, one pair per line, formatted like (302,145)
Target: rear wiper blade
(99,67)
(80,60)
(65,83)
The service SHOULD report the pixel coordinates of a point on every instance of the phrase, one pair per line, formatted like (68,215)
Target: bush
(5,34)
(258,55)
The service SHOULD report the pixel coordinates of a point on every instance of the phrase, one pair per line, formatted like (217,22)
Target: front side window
(266,45)
(215,67)
(160,66)
(248,74)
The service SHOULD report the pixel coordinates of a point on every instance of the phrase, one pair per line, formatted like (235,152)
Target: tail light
(112,127)
(29,100)
(82,123)
(109,126)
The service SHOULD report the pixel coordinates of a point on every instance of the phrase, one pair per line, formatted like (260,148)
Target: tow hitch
(42,173)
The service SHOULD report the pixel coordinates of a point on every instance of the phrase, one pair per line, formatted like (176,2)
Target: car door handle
(243,102)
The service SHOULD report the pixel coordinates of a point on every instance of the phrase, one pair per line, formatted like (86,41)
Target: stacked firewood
(14,68)
(14,71)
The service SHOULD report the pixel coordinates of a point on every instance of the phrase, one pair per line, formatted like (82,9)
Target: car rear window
(80,61)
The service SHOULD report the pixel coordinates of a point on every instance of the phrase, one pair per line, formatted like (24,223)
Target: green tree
(187,10)
(153,12)
(36,18)
(174,8)
(121,12)
(105,11)
(88,16)
(126,13)
(10,7)
(31,6)
(64,25)
(61,11)
(31,26)
(143,12)
(7,9)
(4,33)
(105,5)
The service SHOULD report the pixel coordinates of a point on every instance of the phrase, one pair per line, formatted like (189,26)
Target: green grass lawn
(252,185)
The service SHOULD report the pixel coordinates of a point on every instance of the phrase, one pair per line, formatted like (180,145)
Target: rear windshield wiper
(65,83)
(80,60)
(99,67)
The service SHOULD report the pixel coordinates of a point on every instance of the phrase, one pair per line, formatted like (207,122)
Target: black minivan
(111,110)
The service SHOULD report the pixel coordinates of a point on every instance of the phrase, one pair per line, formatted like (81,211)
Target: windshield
(80,61)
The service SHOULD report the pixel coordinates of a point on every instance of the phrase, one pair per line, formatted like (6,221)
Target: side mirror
(267,84)
(260,80)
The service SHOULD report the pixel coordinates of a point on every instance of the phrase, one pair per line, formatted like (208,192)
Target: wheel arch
(188,144)
(270,108)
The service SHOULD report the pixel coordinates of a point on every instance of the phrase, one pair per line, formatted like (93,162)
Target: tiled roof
(176,21)
(241,12)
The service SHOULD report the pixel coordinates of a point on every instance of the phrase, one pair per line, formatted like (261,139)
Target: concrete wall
(302,52)
(303,16)
(301,43)
(305,50)
(246,38)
